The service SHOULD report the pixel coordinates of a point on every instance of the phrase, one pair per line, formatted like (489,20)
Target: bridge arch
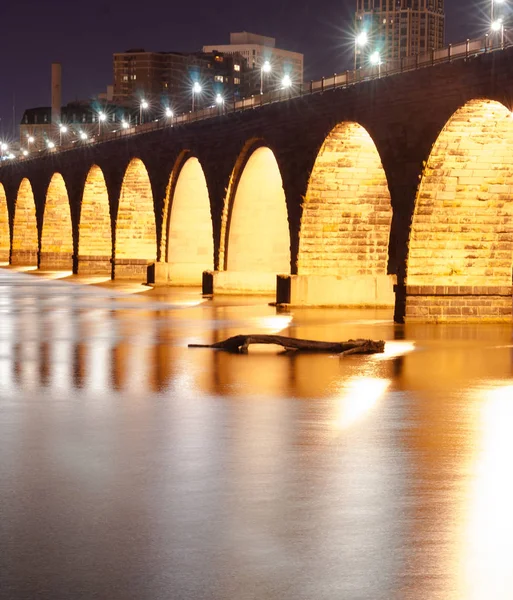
(25,242)
(188,231)
(461,238)
(255,244)
(136,234)
(95,228)
(345,226)
(57,232)
(5,234)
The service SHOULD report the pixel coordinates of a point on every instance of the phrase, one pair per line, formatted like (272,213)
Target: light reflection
(274,323)
(57,274)
(358,397)
(395,349)
(488,572)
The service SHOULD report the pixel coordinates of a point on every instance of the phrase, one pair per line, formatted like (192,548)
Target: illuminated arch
(94,230)
(347,214)
(190,238)
(258,237)
(136,236)
(462,226)
(5,235)
(57,233)
(24,231)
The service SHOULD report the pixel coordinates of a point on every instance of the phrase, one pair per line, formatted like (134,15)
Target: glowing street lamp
(30,139)
(101,118)
(359,42)
(3,148)
(286,82)
(498,25)
(25,152)
(83,135)
(169,113)
(266,68)
(50,145)
(143,106)
(125,125)
(196,89)
(62,129)
(375,59)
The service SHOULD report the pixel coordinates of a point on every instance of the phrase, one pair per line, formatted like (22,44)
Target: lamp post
(62,129)
(375,59)
(3,148)
(266,68)
(83,136)
(359,42)
(220,102)
(143,106)
(196,89)
(101,118)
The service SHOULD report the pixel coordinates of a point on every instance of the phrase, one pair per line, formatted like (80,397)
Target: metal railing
(463,51)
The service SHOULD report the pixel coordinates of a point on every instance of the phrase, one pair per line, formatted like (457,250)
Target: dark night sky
(83,36)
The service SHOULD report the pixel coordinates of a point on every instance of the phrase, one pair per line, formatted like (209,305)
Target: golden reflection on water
(357,397)
(488,548)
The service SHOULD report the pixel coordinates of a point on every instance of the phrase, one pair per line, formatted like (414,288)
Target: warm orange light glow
(95,236)
(136,235)
(489,546)
(347,214)
(190,237)
(357,397)
(25,236)
(460,233)
(57,233)
(259,238)
(5,235)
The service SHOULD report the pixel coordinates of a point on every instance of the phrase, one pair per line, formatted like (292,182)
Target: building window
(125,77)
(236,80)
(236,67)
(219,59)
(219,78)
(45,119)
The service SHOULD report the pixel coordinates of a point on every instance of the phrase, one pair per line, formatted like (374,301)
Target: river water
(133,467)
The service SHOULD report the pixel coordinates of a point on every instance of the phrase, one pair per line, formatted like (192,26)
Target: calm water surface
(132,467)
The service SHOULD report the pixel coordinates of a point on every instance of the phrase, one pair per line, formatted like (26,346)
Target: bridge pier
(55,261)
(458,303)
(238,282)
(330,290)
(94,265)
(179,274)
(131,268)
(24,258)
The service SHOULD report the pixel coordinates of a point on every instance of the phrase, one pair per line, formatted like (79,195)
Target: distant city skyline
(36,34)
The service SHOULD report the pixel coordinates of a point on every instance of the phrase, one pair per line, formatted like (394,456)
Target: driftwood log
(239,344)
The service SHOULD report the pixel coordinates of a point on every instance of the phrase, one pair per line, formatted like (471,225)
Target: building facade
(399,28)
(257,50)
(166,79)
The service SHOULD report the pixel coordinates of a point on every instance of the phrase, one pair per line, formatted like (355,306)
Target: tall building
(399,28)
(166,78)
(257,50)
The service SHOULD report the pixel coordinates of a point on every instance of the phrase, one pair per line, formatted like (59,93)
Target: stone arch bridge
(396,191)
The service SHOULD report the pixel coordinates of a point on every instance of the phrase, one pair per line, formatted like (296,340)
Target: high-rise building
(399,28)
(259,50)
(166,78)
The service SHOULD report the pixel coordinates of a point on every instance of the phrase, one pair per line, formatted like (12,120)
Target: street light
(62,129)
(101,117)
(3,148)
(286,82)
(143,106)
(124,124)
(266,68)
(498,25)
(83,135)
(25,152)
(359,42)
(50,145)
(169,112)
(375,59)
(196,89)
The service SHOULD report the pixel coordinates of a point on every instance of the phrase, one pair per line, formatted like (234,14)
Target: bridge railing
(462,51)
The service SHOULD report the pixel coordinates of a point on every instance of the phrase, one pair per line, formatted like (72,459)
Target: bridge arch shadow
(56,233)
(136,235)
(461,242)
(95,227)
(188,237)
(345,225)
(25,239)
(255,237)
(5,233)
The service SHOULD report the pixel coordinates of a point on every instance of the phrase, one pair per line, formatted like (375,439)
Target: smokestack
(56,93)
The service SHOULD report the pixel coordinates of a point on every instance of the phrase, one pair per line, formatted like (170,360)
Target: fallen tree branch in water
(239,344)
